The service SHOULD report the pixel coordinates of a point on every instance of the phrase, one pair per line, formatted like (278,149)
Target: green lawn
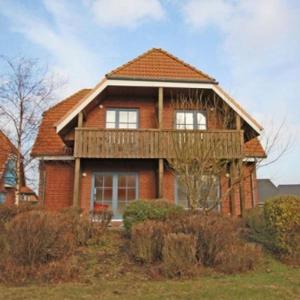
(117,278)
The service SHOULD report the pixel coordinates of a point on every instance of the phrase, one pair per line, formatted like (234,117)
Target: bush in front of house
(38,237)
(179,254)
(142,210)
(147,240)
(43,246)
(212,240)
(277,226)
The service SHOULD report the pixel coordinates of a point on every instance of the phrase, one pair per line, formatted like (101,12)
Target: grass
(118,278)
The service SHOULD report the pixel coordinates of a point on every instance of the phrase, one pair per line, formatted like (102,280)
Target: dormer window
(122,118)
(190,119)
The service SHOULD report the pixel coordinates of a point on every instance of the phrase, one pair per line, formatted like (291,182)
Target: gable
(158,64)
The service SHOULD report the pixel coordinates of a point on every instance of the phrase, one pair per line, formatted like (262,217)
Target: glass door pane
(103,192)
(127,191)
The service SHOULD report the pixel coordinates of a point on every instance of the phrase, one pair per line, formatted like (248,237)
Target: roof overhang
(165,84)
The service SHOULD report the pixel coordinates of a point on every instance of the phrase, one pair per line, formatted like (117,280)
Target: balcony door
(114,191)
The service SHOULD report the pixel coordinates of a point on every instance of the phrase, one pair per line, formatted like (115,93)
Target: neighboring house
(267,189)
(109,145)
(8,153)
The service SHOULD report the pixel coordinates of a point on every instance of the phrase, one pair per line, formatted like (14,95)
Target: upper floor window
(10,173)
(122,118)
(190,119)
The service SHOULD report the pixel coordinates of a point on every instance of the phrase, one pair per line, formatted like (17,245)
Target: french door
(114,191)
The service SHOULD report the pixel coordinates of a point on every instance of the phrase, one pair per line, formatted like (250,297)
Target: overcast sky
(251,47)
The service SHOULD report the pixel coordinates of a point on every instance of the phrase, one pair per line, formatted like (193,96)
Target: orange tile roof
(26,190)
(253,148)
(48,142)
(158,64)
(6,148)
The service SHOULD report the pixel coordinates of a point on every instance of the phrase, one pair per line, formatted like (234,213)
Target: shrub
(277,227)
(215,234)
(239,257)
(179,254)
(38,237)
(8,212)
(84,229)
(141,210)
(52,272)
(257,230)
(282,215)
(210,240)
(147,241)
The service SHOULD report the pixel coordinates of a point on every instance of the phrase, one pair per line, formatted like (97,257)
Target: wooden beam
(238,122)
(233,174)
(160,107)
(240,169)
(80,119)
(160,178)
(77,170)
(76,193)
(241,185)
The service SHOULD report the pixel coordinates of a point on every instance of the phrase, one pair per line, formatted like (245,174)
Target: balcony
(155,143)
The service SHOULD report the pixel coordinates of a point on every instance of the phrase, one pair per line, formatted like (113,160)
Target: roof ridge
(66,99)
(175,58)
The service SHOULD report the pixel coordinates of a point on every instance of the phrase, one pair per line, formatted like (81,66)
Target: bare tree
(26,90)
(201,158)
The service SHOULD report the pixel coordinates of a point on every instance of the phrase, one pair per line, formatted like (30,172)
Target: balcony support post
(240,170)
(160,126)
(233,174)
(77,171)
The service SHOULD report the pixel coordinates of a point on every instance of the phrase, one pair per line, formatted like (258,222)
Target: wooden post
(160,178)
(240,170)
(77,171)
(160,107)
(160,126)
(233,174)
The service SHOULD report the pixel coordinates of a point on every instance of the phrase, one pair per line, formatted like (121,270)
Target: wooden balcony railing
(155,143)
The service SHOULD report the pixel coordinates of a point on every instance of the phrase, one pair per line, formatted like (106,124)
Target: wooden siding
(154,143)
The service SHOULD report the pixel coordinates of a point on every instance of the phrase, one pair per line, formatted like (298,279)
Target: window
(2,198)
(115,191)
(122,118)
(10,173)
(190,119)
(127,191)
(210,190)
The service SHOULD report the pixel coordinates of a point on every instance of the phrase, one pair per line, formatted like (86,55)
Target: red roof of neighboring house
(158,64)
(6,148)
(48,142)
(26,190)
(253,148)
